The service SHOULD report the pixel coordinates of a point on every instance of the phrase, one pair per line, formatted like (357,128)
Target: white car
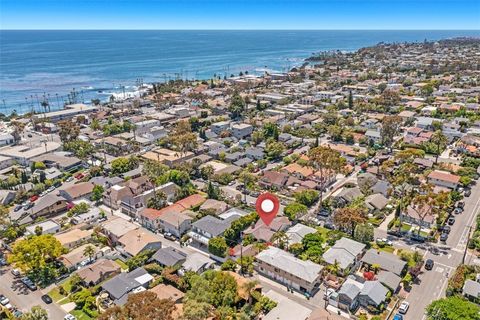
(69,317)
(4,301)
(329,292)
(403,307)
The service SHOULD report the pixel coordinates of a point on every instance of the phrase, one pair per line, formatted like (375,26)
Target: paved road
(24,299)
(431,285)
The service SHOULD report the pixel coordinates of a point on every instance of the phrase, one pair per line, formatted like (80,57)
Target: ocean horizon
(99,63)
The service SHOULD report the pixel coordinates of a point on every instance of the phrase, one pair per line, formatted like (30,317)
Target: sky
(240,14)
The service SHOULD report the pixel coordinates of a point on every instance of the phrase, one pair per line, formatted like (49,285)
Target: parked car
(451,220)
(443,237)
(17,313)
(68,316)
(460,204)
(458,210)
(17,208)
(403,307)
(3,300)
(28,206)
(169,236)
(33,198)
(46,298)
(429,264)
(16,272)
(398,316)
(29,283)
(446,229)
(467,193)
(69,179)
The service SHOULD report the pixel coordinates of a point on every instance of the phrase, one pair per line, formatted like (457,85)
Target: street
(24,299)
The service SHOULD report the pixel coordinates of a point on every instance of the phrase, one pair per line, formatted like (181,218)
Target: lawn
(55,294)
(385,248)
(121,264)
(324,232)
(80,315)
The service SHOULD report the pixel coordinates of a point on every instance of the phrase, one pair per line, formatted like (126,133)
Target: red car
(33,198)
(79,176)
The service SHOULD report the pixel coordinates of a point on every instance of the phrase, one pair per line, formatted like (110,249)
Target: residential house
(77,191)
(444,179)
(196,262)
(169,257)
(241,130)
(99,271)
(176,223)
(262,232)
(46,227)
(207,228)
(387,261)
(376,202)
(120,286)
(114,196)
(150,218)
(273,179)
(137,241)
(213,206)
(419,216)
(471,289)
(168,292)
(73,238)
(114,229)
(297,232)
(373,293)
(281,266)
(346,253)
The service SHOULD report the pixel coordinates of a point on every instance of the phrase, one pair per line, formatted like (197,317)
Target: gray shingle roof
(375,291)
(387,261)
(212,225)
(344,252)
(169,256)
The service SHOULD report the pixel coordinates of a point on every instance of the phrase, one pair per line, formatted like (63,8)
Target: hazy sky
(240,14)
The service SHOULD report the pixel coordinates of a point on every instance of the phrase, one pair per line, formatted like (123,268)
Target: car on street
(467,193)
(398,316)
(69,316)
(4,300)
(443,237)
(70,179)
(446,229)
(451,220)
(29,283)
(403,307)
(17,208)
(169,236)
(33,198)
(429,264)
(16,272)
(461,204)
(458,210)
(46,298)
(324,212)
(28,206)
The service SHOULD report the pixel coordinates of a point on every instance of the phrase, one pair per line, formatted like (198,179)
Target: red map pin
(267,206)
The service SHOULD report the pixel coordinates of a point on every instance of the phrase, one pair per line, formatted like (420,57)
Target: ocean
(50,64)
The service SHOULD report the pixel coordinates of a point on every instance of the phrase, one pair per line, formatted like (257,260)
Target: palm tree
(282,239)
(334,268)
(249,287)
(89,251)
(440,140)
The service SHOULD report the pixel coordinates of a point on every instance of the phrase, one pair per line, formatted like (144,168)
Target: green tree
(327,163)
(122,165)
(79,148)
(36,313)
(89,251)
(218,246)
(307,197)
(68,130)
(157,201)
(33,253)
(364,233)
(237,106)
(274,149)
(295,210)
(349,218)
(196,310)
(97,192)
(440,141)
(453,308)
(390,128)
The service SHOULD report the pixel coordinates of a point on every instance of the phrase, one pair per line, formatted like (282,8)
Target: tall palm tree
(281,237)
(89,251)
